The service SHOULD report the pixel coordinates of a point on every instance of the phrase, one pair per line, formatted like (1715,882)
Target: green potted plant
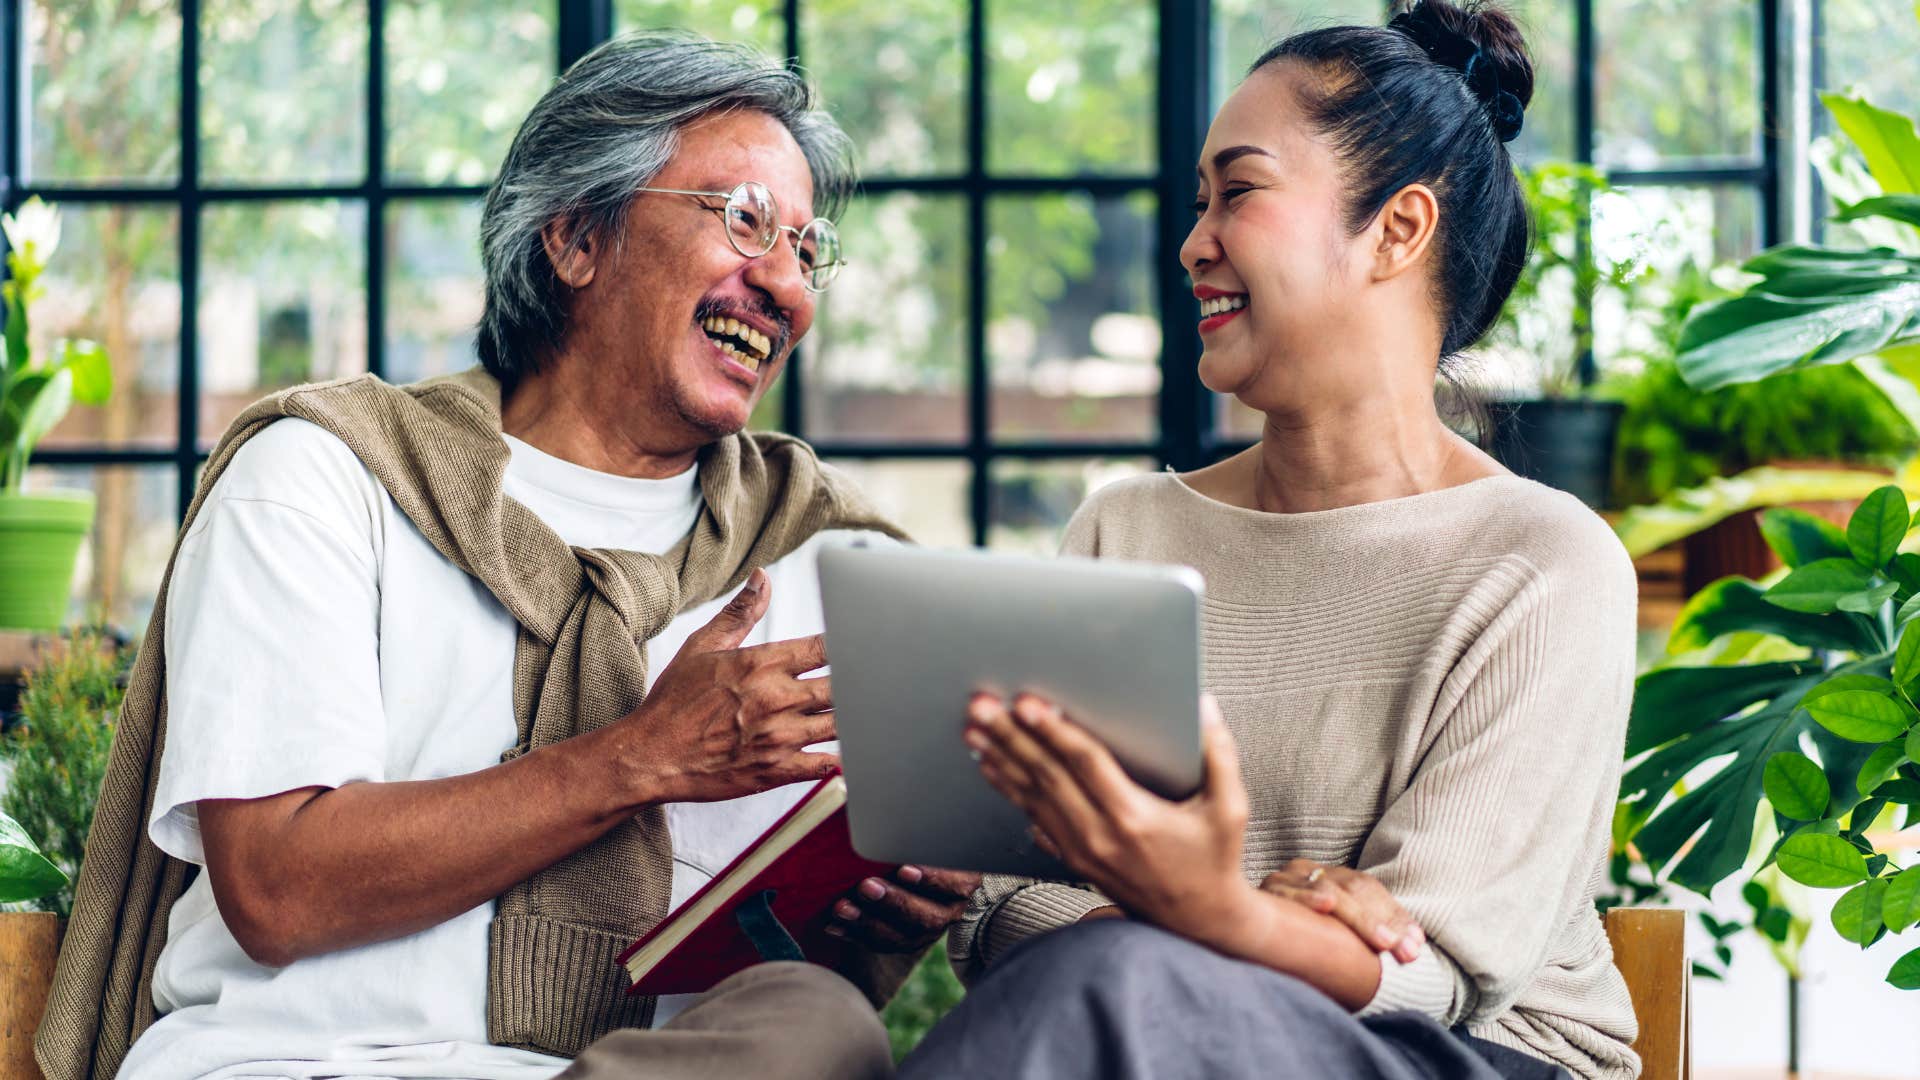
(29,941)
(1805,750)
(40,533)
(1556,430)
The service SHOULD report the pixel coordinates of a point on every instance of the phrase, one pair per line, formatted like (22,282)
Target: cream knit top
(1433,689)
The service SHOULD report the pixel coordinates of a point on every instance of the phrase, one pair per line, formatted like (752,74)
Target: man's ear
(573,258)
(1404,230)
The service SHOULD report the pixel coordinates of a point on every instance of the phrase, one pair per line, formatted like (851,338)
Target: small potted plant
(40,533)
(29,941)
(1556,429)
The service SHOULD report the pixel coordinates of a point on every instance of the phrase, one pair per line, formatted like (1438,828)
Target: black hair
(1433,98)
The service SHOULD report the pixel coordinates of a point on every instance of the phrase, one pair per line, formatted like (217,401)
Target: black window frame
(1190,432)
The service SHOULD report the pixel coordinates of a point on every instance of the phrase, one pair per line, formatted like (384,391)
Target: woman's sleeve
(1493,844)
(1007,910)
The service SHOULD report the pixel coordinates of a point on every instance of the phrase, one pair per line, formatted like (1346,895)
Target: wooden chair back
(1650,949)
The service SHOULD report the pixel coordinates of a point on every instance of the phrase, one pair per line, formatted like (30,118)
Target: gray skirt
(1118,1000)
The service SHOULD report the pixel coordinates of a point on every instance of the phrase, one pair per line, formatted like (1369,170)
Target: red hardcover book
(794,872)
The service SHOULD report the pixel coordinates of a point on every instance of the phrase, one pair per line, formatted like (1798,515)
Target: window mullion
(187,445)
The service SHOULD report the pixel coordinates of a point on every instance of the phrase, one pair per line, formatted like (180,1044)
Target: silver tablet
(913,632)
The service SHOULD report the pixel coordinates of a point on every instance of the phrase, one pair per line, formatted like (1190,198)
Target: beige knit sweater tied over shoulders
(1432,689)
(580,662)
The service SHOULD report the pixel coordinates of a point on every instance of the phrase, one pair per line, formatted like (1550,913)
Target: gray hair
(605,128)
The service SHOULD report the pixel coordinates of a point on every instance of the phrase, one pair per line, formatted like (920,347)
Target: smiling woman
(1420,664)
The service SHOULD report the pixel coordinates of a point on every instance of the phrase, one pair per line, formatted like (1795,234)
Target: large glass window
(261,192)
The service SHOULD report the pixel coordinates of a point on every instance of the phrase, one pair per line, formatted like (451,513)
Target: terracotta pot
(29,941)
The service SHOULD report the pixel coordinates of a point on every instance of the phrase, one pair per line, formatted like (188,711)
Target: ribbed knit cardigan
(580,663)
(1433,689)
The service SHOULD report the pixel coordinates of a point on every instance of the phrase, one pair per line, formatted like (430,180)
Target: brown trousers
(784,1020)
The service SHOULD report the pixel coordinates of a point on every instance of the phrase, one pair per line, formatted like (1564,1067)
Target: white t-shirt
(315,638)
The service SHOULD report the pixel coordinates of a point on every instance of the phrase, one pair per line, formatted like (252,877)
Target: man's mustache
(760,307)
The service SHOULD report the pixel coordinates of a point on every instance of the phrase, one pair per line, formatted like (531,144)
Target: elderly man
(395,781)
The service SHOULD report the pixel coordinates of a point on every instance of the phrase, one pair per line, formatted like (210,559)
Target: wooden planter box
(28,943)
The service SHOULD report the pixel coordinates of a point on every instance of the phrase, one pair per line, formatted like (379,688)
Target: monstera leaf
(1823,305)
(1683,513)
(1812,306)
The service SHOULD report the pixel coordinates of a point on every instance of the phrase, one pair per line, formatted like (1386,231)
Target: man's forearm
(319,870)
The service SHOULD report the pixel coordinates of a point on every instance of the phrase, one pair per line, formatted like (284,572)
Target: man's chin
(715,420)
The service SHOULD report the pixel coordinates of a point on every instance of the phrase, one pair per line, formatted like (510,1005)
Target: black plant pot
(1567,444)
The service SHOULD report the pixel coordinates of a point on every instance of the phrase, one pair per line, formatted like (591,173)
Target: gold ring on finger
(1318,872)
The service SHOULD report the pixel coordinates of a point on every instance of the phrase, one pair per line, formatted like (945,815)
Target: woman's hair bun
(1482,43)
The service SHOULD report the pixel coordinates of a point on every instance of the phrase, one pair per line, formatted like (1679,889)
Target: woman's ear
(1405,228)
(573,258)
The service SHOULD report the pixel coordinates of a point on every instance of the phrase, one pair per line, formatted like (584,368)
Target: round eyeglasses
(753,227)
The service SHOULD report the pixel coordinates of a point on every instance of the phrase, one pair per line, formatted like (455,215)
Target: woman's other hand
(1354,897)
(1175,864)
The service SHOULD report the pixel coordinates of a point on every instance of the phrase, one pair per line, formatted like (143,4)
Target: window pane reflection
(1869,46)
(895,76)
(1243,29)
(283,91)
(1668,230)
(887,355)
(135,519)
(1677,80)
(929,499)
(434,287)
(750,22)
(1073,332)
(282,301)
(115,280)
(458,82)
(1032,501)
(104,90)
(1071,86)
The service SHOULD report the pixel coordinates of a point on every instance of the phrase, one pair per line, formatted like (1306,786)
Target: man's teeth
(1220,304)
(732,334)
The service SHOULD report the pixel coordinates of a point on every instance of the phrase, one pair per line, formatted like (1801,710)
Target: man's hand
(722,721)
(1354,897)
(905,914)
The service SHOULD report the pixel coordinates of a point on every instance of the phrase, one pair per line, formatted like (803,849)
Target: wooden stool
(1650,949)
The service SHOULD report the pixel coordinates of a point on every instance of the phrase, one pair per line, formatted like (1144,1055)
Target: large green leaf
(1821,861)
(1863,716)
(1856,915)
(1800,538)
(1647,528)
(1905,974)
(1721,810)
(38,405)
(25,874)
(1878,525)
(1886,139)
(1675,701)
(1818,587)
(1717,813)
(1812,306)
(1903,208)
(1795,786)
(1900,908)
(1731,605)
(1880,765)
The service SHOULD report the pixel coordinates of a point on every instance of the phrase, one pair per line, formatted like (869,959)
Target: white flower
(33,232)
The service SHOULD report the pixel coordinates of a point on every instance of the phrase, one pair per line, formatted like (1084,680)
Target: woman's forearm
(1288,937)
